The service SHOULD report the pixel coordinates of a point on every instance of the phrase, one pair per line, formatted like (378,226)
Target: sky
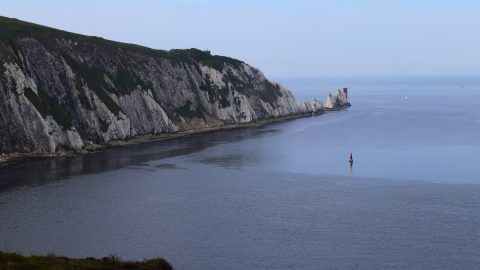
(286,38)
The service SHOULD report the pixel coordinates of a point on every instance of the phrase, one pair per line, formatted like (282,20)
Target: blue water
(432,136)
(278,197)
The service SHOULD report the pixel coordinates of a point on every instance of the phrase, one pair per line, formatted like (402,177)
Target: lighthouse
(345,91)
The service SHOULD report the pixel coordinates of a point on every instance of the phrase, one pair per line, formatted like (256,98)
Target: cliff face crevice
(61,90)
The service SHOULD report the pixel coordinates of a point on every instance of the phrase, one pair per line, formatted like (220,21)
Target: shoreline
(11,158)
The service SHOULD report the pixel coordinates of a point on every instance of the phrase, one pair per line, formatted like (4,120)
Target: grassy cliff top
(12,29)
(17,262)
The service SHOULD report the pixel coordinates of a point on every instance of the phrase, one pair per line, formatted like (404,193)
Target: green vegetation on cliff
(47,105)
(12,29)
(13,261)
(215,61)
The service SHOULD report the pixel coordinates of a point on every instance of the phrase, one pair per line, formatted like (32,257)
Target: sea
(281,196)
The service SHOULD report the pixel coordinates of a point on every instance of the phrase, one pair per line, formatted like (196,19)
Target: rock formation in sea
(60,90)
(337,100)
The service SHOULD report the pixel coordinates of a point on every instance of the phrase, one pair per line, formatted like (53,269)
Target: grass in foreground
(13,261)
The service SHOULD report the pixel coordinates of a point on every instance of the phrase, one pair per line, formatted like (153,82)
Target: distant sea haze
(277,197)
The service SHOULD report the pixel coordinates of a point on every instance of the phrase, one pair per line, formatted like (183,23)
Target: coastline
(10,158)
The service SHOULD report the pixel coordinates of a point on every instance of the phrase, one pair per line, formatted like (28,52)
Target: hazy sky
(286,38)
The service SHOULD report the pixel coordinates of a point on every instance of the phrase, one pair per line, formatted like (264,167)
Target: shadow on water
(42,171)
(229,161)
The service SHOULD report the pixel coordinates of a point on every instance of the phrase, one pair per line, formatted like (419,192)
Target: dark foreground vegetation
(13,261)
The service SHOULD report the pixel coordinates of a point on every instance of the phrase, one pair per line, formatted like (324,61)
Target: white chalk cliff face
(61,90)
(335,101)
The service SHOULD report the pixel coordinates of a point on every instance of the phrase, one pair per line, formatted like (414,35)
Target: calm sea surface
(278,197)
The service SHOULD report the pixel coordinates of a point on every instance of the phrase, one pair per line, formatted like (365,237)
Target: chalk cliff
(337,100)
(60,90)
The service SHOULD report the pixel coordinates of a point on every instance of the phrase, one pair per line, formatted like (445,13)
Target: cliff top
(12,29)
(16,261)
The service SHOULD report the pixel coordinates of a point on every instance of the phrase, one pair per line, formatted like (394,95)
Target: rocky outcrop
(60,90)
(337,101)
(317,106)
